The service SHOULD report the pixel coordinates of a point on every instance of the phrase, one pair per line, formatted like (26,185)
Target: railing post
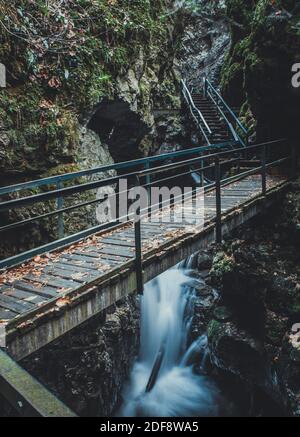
(138,251)
(205,87)
(148,182)
(60,205)
(294,158)
(218,202)
(202,173)
(264,171)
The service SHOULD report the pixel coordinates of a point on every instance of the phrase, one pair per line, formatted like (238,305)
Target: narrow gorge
(95,91)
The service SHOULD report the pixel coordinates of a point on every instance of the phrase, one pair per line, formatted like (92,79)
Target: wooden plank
(166,225)
(46,292)
(118,242)
(22,295)
(79,277)
(51,281)
(79,257)
(75,268)
(62,274)
(117,251)
(15,305)
(92,260)
(89,252)
(101,258)
(6,314)
(76,263)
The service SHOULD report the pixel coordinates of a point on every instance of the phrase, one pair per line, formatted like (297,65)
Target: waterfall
(176,390)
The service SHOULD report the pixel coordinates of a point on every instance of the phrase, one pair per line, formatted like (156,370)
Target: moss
(247,118)
(222,264)
(53,82)
(214,331)
(295,304)
(265,41)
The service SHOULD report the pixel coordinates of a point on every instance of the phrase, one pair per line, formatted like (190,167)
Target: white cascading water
(167,311)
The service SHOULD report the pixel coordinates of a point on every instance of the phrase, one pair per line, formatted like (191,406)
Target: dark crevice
(120,128)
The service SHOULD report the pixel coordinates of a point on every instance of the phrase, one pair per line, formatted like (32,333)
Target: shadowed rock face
(257,72)
(250,335)
(120,128)
(205,43)
(88,367)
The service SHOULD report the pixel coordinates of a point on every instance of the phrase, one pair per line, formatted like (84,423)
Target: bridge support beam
(218,202)
(264,171)
(138,255)
(27,396)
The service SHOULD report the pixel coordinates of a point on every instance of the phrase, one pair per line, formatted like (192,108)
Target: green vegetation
(257,73)
(62,58)
(222,264)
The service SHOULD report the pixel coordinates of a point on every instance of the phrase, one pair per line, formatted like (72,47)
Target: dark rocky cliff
(257,74)
(78,73)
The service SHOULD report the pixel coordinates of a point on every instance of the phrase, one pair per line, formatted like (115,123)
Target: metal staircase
(219,126)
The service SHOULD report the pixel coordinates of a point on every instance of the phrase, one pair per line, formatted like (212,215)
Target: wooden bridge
(50,290)
(55,291)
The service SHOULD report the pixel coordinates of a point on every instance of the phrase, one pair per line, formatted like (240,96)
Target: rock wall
(257,74)
(256,340)
(111,64)
(82,86)
(87,368)
(206,40)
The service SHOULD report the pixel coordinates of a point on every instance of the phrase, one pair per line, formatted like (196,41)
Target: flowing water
(175,389)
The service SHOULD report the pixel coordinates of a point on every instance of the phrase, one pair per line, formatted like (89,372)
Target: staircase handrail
(209,88)
(190,102)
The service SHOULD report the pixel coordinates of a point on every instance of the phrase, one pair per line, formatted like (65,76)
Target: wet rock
(241,282)
(276,327)
(233,350)
(289,368)
(204,261)
(223,314)
(284,296)
(206,300)
(205,41)
(88,367)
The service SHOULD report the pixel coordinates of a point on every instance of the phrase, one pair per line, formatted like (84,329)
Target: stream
(163,381)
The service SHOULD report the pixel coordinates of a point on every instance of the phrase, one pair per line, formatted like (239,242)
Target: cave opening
(120,127)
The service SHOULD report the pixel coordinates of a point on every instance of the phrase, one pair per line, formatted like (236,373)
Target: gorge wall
(83,84)
(87,368)
(72,68)
(257,73)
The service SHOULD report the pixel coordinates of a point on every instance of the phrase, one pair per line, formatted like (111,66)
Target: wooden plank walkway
(47,280)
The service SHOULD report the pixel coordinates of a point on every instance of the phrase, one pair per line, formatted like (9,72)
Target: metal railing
(146,177)
(196,114)
(223,108)
(60,192)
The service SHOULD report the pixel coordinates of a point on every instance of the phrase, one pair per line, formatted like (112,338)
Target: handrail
(87,186)
(53,180)
(139,175)
(231,128)
(189,100)
(208,85)
(194,106)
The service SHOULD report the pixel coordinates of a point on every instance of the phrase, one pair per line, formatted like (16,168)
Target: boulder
(241,282)
(235,351)
(289,370)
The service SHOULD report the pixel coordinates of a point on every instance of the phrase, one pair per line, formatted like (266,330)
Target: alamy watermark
(296,328)
(2,335)
(296,75)
(158,204)
(2,76)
